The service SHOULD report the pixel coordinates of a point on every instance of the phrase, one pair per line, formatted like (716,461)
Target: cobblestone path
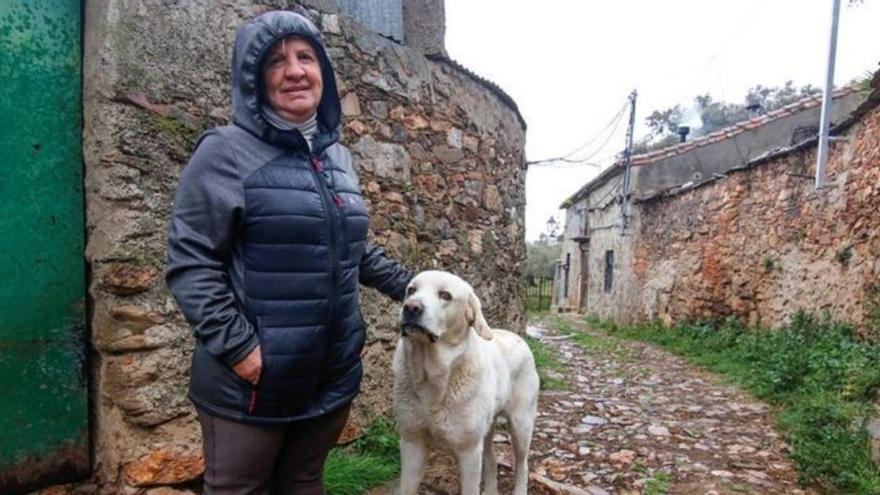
(636,419)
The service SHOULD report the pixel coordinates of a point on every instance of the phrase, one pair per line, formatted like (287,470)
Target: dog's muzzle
(411,321)
(409,329)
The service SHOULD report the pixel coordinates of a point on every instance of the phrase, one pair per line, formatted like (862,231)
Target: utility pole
(827,96)
(627,163)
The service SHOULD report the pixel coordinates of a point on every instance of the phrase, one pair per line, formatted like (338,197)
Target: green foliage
(549,367)
(658,485)
(347,474)
(872,323)
(664,122)
(371,460)
(380,439)
(541,259)
(823,380)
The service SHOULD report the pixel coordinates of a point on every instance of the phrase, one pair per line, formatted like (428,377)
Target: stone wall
(761,244)
(440,154)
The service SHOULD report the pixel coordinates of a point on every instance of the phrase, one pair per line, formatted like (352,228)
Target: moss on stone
(176,129)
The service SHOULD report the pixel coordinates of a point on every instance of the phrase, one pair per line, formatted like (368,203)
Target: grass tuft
(658,485)
(549,367)
(370,461)
(353,474)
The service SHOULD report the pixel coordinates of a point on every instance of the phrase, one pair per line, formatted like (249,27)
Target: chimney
(683,131)
(424,25)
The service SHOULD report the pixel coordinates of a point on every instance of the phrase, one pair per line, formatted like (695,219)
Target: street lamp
(552,225)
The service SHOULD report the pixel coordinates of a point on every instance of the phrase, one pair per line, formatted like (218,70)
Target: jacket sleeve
(382,273)
(207,207)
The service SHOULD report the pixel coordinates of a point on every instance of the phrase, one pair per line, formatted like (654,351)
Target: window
(609,270)
(567,266)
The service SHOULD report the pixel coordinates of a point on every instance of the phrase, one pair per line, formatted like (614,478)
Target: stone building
(440,153)
(680,257)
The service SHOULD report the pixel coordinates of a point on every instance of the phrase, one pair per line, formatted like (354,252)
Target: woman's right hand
(250,367)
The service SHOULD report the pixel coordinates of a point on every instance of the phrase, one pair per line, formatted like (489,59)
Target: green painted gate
(43,389)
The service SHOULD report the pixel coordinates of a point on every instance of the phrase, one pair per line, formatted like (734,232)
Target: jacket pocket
(216,384)
(292,361)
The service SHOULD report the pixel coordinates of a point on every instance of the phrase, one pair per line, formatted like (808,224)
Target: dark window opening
(609,270)
(567,265)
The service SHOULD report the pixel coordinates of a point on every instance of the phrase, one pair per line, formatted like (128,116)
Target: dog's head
(441,306)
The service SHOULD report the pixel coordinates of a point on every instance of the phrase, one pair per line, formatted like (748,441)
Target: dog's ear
(475,317)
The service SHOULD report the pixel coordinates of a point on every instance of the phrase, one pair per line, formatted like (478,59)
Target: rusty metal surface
(43,392)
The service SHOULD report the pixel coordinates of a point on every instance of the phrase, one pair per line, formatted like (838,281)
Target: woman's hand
(250,367)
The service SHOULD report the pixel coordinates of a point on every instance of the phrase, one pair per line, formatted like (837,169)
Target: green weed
(771,264)
(658,485)
(371,460)
(548,365)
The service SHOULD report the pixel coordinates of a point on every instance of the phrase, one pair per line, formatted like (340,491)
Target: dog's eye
(445,295)
(411,290)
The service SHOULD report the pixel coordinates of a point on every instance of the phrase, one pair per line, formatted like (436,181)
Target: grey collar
(308,129)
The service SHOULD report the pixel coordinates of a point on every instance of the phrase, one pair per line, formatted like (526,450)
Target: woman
(267,243)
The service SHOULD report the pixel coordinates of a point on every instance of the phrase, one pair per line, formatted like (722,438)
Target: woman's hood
(252,44)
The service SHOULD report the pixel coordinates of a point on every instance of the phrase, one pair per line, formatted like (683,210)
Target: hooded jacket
(266,246)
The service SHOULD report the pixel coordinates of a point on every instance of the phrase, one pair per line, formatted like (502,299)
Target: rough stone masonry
(440,153)
(763,244)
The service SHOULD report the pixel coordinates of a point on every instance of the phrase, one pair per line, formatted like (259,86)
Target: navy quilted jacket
(267,244)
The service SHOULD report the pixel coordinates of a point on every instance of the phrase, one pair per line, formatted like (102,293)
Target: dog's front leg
(490,464)
(469,467)
(413,453)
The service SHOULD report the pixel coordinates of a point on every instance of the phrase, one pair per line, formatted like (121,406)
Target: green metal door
(43,389)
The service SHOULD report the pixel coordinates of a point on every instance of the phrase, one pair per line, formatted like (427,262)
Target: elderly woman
(267,244)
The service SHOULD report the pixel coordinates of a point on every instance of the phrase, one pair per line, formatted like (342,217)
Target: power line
(566,158)
(701,68)
(564,164)
(614,120)
(604,143)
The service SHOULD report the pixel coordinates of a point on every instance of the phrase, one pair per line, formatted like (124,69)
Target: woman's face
(292,79)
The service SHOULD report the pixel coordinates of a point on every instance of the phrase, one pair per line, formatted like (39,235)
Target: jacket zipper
(326,196)
(252,405)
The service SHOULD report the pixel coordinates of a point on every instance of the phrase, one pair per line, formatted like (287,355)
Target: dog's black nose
(413,308)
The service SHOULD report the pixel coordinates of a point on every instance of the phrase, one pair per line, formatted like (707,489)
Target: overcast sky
(570,64)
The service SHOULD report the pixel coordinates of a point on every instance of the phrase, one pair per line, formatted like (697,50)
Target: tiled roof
(715,137)
(871,102)
(738,128)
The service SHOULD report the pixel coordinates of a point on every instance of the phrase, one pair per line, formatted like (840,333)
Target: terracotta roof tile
(737,128)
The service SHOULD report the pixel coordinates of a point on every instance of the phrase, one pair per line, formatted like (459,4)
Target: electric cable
(566,158)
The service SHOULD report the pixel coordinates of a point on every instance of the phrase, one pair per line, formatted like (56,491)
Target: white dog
(453,376)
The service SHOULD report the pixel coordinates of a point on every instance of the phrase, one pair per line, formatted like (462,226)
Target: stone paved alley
(638,420)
